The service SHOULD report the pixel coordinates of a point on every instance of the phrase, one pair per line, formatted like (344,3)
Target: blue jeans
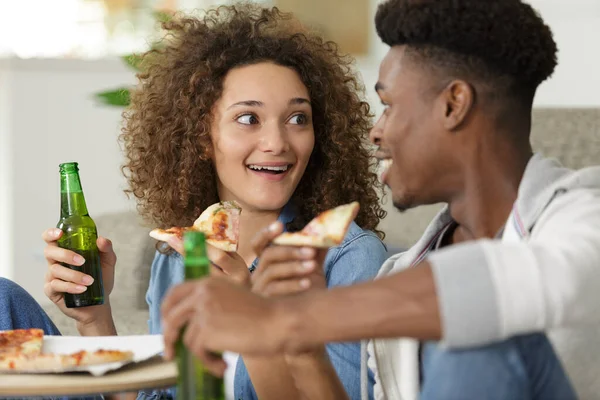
(521,368)
(18,310)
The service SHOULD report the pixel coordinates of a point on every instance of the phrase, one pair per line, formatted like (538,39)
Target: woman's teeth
(274,169)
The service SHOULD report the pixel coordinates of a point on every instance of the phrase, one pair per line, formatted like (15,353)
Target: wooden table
(151,374)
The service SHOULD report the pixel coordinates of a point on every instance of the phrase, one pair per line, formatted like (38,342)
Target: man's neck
(490,187)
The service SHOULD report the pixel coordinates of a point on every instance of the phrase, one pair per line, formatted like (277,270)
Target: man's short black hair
(502,44)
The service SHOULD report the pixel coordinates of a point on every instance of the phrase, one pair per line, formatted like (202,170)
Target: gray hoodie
(542,275)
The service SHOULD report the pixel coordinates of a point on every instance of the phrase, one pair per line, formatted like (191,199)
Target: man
(516,251)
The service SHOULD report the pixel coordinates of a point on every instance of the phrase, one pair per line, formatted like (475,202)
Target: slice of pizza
(17,342)
(101,356)
(165,234)
(220,223)
(326,230)
(61,362)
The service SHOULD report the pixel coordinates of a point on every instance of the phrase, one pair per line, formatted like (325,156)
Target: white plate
(142,346)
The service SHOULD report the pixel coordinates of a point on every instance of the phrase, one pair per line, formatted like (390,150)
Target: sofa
(571,135)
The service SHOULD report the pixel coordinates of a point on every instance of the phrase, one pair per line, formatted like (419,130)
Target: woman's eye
(299,119)
(247,119)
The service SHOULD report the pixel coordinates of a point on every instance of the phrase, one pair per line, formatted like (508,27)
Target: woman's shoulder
(358,237)
(357,258)
(166,269)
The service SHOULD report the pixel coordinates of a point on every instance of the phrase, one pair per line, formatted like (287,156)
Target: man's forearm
(271,377)
(314,376)
(401,305)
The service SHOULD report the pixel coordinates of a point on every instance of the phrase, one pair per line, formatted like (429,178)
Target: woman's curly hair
(166,134)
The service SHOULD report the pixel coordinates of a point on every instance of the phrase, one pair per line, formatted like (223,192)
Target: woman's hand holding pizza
(284,270)
(224,263)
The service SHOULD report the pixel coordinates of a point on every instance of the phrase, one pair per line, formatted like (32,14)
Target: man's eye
(247,119)
(299,119)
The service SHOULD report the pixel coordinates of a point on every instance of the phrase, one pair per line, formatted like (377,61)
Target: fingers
(215,270)
(58,286)
(286,287)
(51,235)
(176,244)
(265,237)
(56,254)
(268,280)
(61,279)
(107,253)
(193,340)
(281,254)
(232,264)
(66,274)
(176,310)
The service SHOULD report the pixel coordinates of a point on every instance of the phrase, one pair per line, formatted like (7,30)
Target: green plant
(120,97)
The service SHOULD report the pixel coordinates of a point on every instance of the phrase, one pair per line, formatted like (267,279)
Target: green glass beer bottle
(195,382)
(79,235)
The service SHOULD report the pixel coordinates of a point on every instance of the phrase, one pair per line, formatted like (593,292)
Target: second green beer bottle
(195,382)
(79,235)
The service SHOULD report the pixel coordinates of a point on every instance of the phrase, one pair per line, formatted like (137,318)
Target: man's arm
(550,281)
(486,290)
(403,304)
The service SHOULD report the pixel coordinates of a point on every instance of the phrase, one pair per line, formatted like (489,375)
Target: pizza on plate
(58,362)
(326,230)
(21,350)
(219,222)
(26,342)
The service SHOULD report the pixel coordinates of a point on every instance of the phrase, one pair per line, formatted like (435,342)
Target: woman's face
(262,134)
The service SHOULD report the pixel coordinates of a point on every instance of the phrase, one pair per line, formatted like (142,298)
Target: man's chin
(403,205)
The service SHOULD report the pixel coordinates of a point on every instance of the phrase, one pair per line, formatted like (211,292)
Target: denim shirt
(358,258)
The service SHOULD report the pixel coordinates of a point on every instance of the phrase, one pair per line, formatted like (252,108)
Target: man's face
(413,146)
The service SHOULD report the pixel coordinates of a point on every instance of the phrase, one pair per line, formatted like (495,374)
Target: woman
(244,105)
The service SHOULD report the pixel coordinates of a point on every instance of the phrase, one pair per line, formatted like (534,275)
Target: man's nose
(377,131)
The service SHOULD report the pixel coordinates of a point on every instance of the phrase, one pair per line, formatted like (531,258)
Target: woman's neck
(251,222)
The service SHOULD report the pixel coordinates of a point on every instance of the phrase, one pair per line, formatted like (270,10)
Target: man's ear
(457,99)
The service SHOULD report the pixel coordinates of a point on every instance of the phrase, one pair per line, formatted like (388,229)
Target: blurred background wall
(55,54)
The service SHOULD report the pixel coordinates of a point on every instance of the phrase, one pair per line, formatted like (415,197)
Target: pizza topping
(326,230)
(61,362)
(219,222)
(21,341)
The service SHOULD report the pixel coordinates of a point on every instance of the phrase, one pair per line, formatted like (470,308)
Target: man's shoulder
(584,178)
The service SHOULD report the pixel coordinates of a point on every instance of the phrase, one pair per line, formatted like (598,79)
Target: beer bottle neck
(71,195)
(196,262)
(196,266)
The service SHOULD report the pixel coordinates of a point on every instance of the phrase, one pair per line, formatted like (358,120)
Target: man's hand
(284,270)
(220,315)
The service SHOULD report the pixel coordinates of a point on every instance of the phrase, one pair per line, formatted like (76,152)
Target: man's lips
(382,155)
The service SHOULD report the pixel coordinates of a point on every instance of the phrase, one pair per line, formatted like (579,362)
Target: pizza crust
(60,362)
(221,228)
(161,235)
(326,230)
(300,239)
